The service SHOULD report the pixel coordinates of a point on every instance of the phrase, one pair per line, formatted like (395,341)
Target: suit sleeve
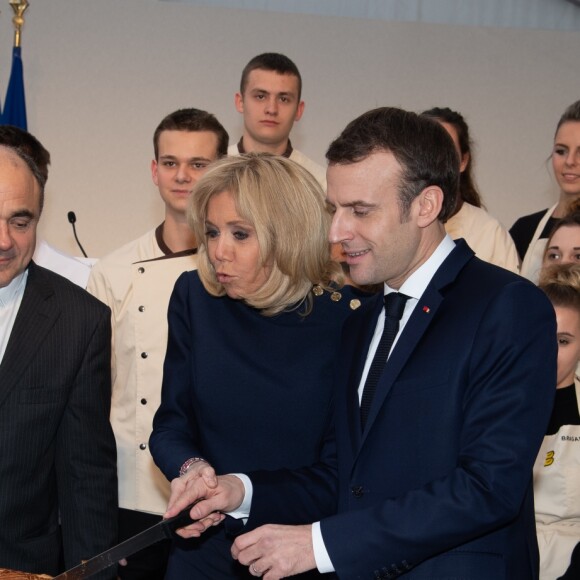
(86,455)
(508,394)
(174,439)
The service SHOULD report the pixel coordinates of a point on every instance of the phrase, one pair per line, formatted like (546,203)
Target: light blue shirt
(10,299)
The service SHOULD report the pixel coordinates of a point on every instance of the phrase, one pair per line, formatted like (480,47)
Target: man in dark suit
(433,450)
(58,497)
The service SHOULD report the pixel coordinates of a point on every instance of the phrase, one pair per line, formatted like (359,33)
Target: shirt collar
(9,293)
(416,284)
(286,153)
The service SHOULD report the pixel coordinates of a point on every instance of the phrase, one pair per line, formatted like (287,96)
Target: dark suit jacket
(57,451)
(439,483)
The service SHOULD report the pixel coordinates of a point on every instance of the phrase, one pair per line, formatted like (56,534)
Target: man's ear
(299,111)
(154,172)
(239,102)
(430,201)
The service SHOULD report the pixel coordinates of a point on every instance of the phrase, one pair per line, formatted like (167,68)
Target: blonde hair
(561,283)
(286,207)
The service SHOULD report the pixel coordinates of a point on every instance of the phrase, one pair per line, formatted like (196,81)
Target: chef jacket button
(143,446)
(144,355)
(141,270)
(141,308)
(143,401)
(357,490)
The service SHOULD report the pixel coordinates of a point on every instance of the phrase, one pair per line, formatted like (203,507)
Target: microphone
(72,218)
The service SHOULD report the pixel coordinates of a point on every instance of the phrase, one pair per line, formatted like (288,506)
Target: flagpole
(19,7)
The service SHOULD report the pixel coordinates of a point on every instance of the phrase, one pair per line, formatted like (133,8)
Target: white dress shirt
(413,287)
(10,299)
(77,270)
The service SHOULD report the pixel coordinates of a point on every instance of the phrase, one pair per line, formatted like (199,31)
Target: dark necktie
(394,307)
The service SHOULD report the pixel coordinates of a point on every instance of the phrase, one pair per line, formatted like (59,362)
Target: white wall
(544,14)
(101,75)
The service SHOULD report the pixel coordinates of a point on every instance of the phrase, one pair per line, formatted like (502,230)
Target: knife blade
(161,531)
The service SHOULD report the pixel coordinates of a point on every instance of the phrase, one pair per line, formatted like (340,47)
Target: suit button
(357,490)
(144,355)
(142,446)
(141,308)
(141,270)
(143,401)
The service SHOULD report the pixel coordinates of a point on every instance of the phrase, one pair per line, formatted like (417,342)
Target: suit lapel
(36,316)
(425,311)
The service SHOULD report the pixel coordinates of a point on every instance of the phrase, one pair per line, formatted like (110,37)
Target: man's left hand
(275,551)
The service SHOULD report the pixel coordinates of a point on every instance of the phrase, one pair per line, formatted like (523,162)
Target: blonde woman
(531,232)
(253,338)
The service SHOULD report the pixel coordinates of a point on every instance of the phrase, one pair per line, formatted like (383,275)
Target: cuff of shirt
(243,511)
(323,562)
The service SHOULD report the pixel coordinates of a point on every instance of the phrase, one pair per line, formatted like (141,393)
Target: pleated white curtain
(542,14)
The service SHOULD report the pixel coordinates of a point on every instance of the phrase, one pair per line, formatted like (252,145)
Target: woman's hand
(199,481)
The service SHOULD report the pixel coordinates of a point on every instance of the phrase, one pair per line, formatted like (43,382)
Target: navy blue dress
(246,392)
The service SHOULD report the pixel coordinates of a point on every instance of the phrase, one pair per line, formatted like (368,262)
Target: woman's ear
(464,161)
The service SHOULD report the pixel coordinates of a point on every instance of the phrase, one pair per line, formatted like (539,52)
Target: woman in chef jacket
(485,235)
(557,467)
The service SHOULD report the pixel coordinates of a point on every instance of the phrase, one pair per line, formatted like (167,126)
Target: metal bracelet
(187,465)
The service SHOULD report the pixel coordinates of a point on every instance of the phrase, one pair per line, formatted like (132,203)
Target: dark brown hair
(420,145)
(272,61)
(467,188)
(192,120)
(31,151)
